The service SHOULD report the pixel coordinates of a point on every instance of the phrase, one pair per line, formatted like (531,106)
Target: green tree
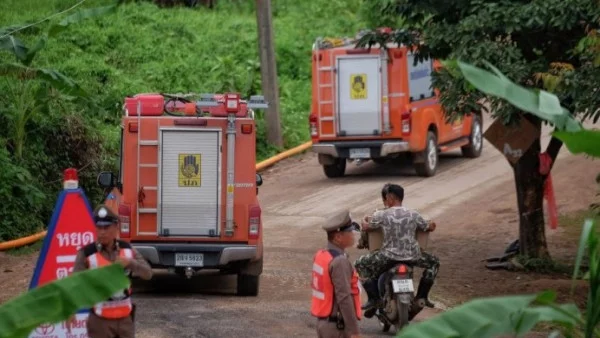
(517,315)
(38,104)
(542,43)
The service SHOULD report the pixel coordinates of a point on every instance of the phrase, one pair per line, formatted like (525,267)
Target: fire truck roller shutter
(190,169)
(359,95)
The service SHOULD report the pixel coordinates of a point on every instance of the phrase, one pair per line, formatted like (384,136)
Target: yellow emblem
(358,86)
(189,170)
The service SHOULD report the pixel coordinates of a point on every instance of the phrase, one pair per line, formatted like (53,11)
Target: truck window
(419,79)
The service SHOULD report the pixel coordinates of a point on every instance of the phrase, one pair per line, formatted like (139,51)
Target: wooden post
(268,70)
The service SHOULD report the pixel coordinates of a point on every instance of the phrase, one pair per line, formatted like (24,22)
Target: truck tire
(473,149)
(337,169)
(429,166)
(247,285)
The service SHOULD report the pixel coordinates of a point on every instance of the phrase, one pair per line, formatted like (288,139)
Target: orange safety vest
(118,305)
(322,286)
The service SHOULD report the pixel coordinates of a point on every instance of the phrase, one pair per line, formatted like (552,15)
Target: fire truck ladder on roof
(329,103)
(145,143)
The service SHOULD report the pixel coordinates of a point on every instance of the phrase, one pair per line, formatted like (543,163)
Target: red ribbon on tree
(545,163)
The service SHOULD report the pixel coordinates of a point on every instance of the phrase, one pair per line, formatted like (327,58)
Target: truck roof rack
(155,104)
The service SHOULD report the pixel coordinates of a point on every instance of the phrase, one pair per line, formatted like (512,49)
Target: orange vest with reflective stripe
(118,305)
(322,286)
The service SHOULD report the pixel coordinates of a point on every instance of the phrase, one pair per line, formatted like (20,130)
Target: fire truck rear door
(190,182)
(359,95)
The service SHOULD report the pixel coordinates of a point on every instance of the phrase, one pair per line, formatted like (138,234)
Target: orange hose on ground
(294,151)
(22,241)
(260,166)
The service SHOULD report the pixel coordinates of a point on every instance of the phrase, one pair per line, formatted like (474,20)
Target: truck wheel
(473,149)
(337,169)
(429,166)
(247,285)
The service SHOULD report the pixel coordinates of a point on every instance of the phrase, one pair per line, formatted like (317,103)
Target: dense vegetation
(547,44)
(140,48)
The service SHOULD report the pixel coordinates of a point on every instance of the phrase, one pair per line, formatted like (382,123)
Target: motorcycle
(396,289)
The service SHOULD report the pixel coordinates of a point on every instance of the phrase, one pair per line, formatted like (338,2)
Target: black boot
(372,293)
(423,291)
(370,307)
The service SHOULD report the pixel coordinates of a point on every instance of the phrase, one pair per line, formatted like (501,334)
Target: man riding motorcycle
(400,244)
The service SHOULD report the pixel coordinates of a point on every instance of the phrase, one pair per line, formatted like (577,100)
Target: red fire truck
(186,192)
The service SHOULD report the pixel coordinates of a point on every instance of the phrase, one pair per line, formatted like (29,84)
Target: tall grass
(143,48)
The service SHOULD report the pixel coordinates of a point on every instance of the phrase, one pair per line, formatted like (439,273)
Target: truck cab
(376,104)
(186,192)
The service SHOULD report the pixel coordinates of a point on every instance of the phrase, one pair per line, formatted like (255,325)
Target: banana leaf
(583,141)
(491,317)
(57,301)
(53,77)
(541,103)
(14,45)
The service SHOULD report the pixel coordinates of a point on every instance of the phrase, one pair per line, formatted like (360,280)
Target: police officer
(335,293)
(114,317)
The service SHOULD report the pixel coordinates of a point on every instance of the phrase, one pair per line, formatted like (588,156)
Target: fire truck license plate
(403,285)
(189,259)
(360,153)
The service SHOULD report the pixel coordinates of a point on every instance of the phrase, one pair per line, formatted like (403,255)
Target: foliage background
(141,48)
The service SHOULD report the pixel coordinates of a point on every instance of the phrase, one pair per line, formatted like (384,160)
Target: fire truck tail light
(312,120)
(124,219)
(406,119)
(254,222)
(246,128)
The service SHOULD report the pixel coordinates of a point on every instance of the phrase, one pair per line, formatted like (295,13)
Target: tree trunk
(268,71)
(530,200)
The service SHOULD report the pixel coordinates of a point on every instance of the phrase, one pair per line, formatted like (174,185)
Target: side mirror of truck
(259,180)
(106,179)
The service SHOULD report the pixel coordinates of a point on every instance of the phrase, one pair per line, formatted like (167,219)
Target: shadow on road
(400,167)
(203,284)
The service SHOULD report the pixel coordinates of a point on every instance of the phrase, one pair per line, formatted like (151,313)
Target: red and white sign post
(71,228)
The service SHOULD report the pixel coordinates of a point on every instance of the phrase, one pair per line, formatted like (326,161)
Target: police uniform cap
(340,221)
(104,217)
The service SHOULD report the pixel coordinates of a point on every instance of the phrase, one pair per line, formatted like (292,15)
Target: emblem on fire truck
(189,170)
(358,83)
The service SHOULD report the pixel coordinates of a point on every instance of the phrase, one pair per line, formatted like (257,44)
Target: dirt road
(296,197)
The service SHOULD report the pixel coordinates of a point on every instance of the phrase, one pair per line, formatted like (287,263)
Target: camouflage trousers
(372,265)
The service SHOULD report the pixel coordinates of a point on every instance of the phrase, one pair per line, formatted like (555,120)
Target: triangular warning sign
(71,228)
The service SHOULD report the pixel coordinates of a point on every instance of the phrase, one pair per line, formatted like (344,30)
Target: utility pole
(268,71)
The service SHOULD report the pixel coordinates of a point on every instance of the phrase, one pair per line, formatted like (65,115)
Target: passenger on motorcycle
(400,244)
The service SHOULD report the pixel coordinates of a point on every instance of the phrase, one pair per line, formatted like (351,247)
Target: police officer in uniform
(335,293)
(113,318)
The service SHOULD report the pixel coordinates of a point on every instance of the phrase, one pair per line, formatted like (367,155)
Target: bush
(144,48)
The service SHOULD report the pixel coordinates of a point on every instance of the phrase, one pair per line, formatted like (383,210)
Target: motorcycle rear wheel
(385,327)
(403,309)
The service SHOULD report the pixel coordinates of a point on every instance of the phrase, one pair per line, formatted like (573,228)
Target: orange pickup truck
(376,104)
